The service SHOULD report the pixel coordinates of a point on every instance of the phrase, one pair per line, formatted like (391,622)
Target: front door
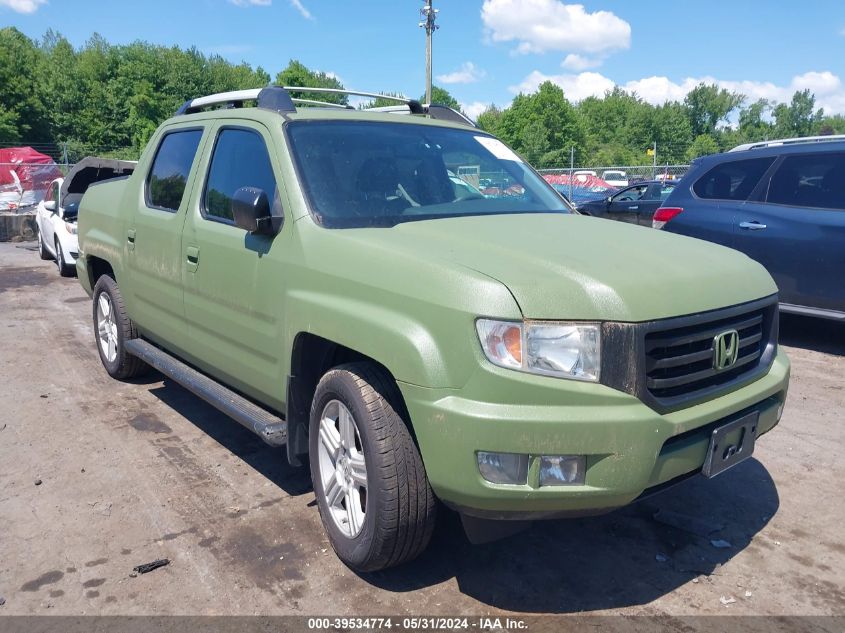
(625,205)
(154,237)
(234,285)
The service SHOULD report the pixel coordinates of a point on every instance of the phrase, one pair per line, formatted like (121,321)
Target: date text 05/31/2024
(417,624)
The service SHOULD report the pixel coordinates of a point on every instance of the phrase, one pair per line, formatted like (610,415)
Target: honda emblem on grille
(725,349)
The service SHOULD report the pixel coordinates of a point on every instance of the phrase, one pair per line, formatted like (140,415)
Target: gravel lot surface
(98,476)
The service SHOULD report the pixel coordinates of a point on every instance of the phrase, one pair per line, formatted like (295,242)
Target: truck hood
(560,266)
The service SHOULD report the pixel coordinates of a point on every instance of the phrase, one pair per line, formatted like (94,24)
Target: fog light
(562,470)
(780,410)
(503,468)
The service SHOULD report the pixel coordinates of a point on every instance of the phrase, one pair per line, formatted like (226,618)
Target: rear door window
(734,180)
(240,159)
(810,180)
(169,174)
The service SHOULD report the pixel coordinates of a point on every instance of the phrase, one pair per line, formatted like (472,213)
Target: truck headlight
(564,350)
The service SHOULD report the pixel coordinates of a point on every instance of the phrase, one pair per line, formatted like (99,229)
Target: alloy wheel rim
(106,327)
(343,469)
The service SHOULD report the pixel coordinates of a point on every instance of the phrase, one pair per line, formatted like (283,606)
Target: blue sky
(487,50)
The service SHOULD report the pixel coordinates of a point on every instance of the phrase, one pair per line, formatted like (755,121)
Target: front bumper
(630,448)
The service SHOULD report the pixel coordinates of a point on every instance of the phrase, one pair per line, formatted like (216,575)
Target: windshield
(359,173)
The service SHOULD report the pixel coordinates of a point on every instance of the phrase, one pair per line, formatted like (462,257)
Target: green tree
(799,117)
(23,111)
(543,126)
(702,145)
(441,96)
(297,74)
(490,119)
(709,105)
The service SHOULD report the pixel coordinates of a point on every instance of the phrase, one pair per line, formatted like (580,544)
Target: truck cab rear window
(171,166)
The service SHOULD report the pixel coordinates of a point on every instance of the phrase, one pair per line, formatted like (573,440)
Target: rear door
(651,201)
(797,231)
(712,204)
(154,236)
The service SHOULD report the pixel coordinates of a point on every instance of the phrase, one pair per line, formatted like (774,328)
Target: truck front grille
(680,361)
(669,364)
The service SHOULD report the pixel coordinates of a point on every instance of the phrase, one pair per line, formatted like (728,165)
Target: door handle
(634,208)
(192,254)
(130,238)
(752,226)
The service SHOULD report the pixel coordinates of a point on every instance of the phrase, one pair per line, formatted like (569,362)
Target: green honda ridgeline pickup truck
(336,281)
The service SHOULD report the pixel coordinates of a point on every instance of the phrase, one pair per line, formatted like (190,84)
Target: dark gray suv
(783,204)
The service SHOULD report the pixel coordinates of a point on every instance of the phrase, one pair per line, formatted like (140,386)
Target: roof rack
(278,99)
(789,141)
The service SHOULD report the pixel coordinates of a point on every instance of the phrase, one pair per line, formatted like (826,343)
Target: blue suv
(782,203)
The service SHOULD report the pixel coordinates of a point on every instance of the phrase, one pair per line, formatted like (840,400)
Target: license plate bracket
(731,444)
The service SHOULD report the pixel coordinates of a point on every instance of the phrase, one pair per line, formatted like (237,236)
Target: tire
(397,503)
(43,253)
(64,269)
(111,334)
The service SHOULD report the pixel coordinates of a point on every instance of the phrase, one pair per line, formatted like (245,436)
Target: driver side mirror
(50,205)
(251,211)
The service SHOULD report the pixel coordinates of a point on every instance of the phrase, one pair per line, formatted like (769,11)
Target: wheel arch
(97,267)
(311,357)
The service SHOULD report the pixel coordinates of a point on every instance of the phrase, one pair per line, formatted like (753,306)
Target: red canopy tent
(587,181)
(25,175)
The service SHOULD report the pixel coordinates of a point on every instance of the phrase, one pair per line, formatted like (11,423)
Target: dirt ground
(130,473)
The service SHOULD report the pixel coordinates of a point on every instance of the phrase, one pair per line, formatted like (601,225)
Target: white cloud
(472,110)
(576,87)
(538,26)
(827,87)
(468,73)
(23,6)
(297,4)
(252,3)
(579,62)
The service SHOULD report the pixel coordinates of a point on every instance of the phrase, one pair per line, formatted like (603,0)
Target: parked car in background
(615,177)
(55,221)
(579,188)
(56,214)
(635,204)
(579,195)
(783,204)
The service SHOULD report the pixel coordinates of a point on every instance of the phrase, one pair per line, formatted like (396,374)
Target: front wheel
(43,253)
(372,491)
(112,328)
(61,264)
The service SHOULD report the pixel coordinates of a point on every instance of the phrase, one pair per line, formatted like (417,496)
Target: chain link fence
(623,175)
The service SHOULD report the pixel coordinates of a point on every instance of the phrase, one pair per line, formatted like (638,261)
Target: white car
(56,224)
(615,178)
(57,212)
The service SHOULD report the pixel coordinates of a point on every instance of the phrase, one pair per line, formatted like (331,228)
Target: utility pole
(428,22)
